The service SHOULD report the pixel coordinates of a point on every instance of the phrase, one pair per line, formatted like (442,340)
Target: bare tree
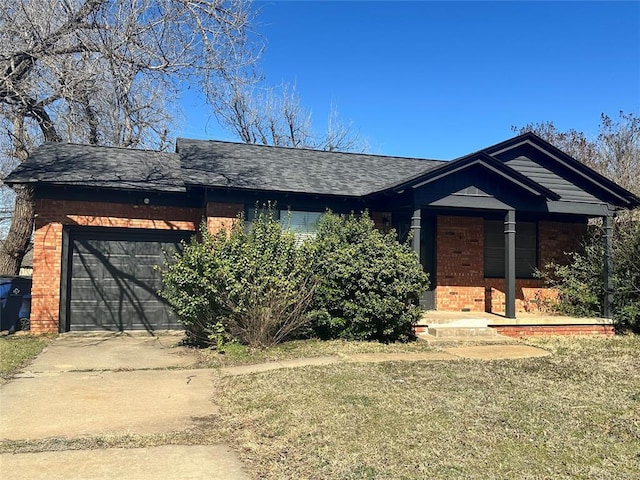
(614,153)
(107,72)
(619,150)
(275,116)
(6,195)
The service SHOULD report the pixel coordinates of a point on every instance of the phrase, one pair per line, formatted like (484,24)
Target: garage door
(113,279)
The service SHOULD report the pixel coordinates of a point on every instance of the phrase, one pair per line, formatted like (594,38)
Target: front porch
(524,325)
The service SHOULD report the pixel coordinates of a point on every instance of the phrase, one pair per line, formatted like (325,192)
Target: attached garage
(112,279)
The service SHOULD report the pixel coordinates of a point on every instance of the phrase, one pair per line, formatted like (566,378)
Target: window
(526,249)
(302,224)
(252,211)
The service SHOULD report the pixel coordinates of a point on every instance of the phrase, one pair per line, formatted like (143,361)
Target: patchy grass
(129,440)
(575,414)
(236,354)
(16,351)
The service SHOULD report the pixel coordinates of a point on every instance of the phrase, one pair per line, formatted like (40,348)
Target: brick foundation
(518,331)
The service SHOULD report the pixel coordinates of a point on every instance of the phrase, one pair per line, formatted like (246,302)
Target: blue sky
(442,79)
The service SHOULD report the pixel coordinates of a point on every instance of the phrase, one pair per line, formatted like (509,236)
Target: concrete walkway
(211,462)
(478,352)
(85,386)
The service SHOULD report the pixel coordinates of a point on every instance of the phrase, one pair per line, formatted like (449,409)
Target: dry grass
(16,351)
(236,354)
(196,436)
(575,414)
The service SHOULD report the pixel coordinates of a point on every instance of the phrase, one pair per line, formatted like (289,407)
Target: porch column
(510,264)
(608,254)
(416,220)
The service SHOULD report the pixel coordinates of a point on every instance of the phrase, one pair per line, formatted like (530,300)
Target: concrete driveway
(90,385)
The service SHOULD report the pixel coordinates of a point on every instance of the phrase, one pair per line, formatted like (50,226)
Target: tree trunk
(17,242)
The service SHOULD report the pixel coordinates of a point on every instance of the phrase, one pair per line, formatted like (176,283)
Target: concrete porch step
(445,330)
(461,327)
(457,341)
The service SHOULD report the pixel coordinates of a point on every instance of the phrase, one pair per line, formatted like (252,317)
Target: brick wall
(460,264)
(222,215)
(382,221)
(53,215)
(461,285)
(555,238)
(531,296)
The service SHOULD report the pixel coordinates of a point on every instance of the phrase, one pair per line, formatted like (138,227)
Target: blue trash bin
(15,302)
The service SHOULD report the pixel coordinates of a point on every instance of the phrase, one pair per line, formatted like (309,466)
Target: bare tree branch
(275,116)
(614,153)
(108,72)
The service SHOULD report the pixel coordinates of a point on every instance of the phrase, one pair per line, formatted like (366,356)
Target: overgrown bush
(579,280)
(193,287)
(626,278)
(580,283)
(369,283)
(250,285)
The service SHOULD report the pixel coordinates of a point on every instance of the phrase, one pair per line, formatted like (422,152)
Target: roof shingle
(236,165)
(103,167)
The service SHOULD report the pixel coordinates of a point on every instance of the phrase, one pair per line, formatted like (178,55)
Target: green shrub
(250,285)
(626,278)
(193,287)
(369,283)
(580,282)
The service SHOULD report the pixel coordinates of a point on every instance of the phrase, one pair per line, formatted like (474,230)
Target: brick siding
(222,215)
(461,285)
(555,238)
(531,296)
(460,264)
(382,221)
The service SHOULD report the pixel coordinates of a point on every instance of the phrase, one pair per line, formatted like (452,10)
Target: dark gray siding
(550,179)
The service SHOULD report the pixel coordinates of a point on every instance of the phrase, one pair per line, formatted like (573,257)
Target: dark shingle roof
(236,165)
(104,167)
(210,163)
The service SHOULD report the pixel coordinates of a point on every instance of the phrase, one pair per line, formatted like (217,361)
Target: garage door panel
(114,280)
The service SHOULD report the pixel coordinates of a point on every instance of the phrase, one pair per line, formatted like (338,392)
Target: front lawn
(16,351)
(575,414)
